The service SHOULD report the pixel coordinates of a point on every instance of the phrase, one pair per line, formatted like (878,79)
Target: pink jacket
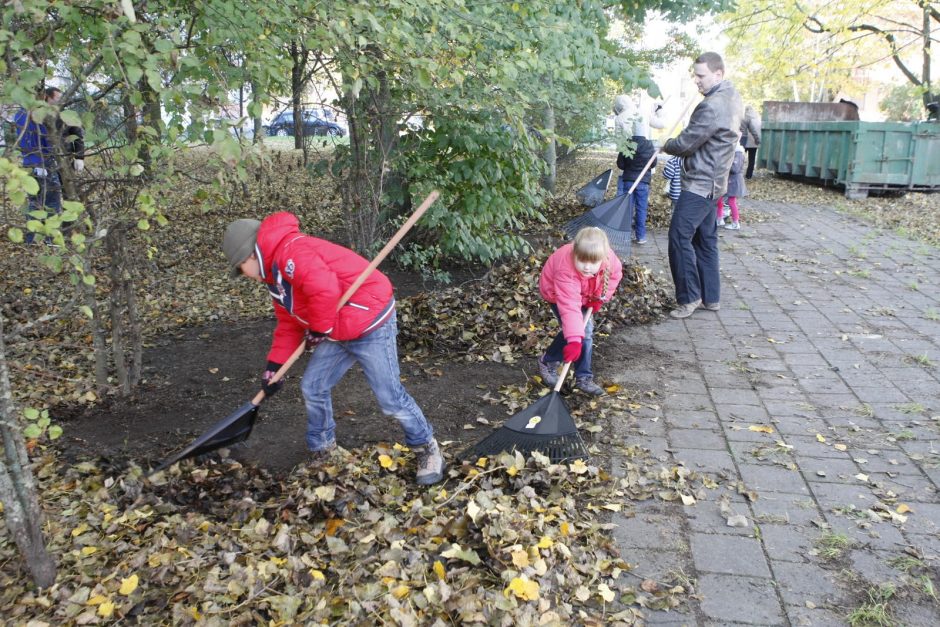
(562,284)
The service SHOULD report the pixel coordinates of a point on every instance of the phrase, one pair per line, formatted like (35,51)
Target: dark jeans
(751,158)
(48,198)
(582,367)
(693,249)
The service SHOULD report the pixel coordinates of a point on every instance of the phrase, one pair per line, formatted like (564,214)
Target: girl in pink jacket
(576,277)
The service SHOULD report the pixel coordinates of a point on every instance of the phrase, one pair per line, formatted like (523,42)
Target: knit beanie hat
(239,243)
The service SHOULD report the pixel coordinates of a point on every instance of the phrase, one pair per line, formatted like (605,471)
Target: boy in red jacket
(306,277)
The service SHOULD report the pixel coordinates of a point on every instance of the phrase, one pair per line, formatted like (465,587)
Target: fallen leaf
(523,588)
(904,509)
(820,437)
(761,428)
(128,585)
(439,570)
(385,461)
(606,593)
(840,447)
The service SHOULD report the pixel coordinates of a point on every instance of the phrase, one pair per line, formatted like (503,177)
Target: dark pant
(693,249)
(582,367)
(48,198)
(751,158)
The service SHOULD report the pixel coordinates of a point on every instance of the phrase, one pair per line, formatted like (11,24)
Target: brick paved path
(829,333)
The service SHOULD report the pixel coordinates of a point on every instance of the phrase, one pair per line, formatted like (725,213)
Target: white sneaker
(721,221)
(430,463)
(734,226)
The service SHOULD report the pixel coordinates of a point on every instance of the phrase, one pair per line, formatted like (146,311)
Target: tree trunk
(549,154)
(298,58)
(257,130)
(118,350)
(18,490)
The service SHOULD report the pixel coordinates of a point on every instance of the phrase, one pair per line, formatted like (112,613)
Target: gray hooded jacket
(707,143)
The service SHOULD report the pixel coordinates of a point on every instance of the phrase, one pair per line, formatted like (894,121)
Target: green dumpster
(861,156)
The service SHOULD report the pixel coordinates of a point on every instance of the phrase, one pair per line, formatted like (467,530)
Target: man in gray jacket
(707,148)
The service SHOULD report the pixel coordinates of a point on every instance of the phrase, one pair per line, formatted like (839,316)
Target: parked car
(283,125)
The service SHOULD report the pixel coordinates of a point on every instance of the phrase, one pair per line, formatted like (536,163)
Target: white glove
(79,165)
(41,172)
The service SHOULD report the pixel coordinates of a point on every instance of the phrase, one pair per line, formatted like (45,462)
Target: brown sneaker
(430,463)
(684,311)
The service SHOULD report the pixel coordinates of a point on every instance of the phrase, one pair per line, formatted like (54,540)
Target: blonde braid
(606,281)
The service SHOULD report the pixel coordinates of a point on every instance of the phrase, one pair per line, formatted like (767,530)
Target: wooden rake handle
(669,134)
(567,366)
(379,258)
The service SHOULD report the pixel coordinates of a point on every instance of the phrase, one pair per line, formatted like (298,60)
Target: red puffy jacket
(306,277)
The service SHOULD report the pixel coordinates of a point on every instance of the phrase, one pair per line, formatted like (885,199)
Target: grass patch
(833,545)
(932,314)
(904,436)
(920,360)
(875,610)
(865,410)
(911,408)
(860,274)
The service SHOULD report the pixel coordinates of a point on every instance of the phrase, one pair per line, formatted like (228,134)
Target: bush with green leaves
(488,174)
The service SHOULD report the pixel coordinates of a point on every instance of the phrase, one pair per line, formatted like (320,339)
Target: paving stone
(656,564)
(692,419)
(874,567)
(884,536)
(706,517)
(745,413)
(925,519)
(732,555)
(810,446)
(774,478)
(649,531)
(799,582)
(788,543)
(734,396)
(781,508)
(729,598)
(695,402)
(881,394)
(802,616)
(697,438)
(827,469)
(707,461)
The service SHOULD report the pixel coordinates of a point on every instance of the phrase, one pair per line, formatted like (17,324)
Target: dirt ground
(200,375)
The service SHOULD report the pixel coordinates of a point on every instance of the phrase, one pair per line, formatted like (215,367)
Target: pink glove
(572,351)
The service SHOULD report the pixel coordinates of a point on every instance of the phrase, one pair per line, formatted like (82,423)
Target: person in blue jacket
(632,166)
(37,145)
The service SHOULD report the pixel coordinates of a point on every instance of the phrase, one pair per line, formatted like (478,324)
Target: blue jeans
(582,367)
(693,249)
(641,200)
(377,354)
(48,198)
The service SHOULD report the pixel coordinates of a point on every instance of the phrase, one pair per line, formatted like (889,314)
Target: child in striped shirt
(673,173)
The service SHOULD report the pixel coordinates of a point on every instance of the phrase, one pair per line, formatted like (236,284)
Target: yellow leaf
(614,507)
(88,550)
(439,569)
(523,588)
(820,437)
(385,461)
(106,609)
(565,529)
(520,559)
(612,388)
(96,600)
(512,471)
(400,592)
(578,467)
(128,585)
(904,509)
(482,462)
(82,528)
(606,593)
(840,447)
(546,543)
(761,428)
(316,574)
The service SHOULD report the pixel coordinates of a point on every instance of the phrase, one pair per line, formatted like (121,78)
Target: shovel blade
(234,428)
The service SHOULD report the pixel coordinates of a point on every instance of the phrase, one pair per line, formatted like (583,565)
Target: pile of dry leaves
(504,540)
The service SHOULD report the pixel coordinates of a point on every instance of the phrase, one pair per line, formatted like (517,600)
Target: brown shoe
(684,311)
